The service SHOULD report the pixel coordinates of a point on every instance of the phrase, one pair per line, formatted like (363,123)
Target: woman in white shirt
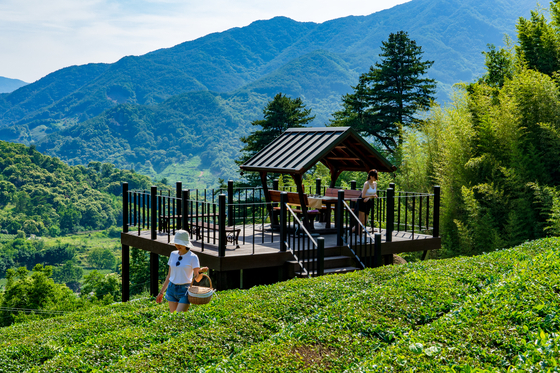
(183,267)
(369,192)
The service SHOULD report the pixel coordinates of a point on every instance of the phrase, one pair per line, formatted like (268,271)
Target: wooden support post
(377,250)
(388,259)
(125,250)
(125,207)
(125,273)
(273,218)
(153,199)
(390,215)
(281,272)
(320,256)
(352,187)
(340,218)
(437,201)
(241,278)
(298,180)
(222,225)
(334,176)
(179,195)
(283,221)
(318,186)
(231,217)
(185,209)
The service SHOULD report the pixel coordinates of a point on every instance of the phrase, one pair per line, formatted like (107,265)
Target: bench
(293,199)
(197,229)
(349,194)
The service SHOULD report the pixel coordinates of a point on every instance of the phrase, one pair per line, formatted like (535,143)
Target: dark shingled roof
(299,149)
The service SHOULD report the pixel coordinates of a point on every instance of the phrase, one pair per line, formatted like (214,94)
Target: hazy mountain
(8,85)
(241,69)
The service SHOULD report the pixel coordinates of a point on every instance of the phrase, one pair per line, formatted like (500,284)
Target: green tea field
(496,312)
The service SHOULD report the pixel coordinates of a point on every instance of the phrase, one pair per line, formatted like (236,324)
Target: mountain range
(8,85)
(162,110)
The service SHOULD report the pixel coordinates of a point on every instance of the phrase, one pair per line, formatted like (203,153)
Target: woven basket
(201,294)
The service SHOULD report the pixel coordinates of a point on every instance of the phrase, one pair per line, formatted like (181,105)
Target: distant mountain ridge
(241,69)
(8,85)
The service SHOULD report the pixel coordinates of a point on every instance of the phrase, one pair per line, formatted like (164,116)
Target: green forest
(44,199)
(495,149)
(42,195)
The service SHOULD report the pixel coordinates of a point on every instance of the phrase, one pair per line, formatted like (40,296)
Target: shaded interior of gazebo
(295,151)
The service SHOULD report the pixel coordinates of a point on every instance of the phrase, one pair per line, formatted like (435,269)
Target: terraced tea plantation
(495,312)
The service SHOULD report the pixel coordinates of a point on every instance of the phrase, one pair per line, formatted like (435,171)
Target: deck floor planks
(250,236)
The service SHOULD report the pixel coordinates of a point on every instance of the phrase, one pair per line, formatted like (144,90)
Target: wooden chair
(293,199)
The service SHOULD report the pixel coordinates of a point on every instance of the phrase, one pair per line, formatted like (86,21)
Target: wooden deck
(260,248)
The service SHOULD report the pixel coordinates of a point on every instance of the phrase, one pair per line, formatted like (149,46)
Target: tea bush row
(332,323)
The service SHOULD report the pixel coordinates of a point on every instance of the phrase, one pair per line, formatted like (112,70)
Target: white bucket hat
(182,238)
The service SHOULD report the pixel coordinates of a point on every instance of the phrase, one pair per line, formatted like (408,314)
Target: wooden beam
(273,218)
(344,158)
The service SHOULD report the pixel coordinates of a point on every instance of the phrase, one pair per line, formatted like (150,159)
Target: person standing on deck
(183,267)
(365,202)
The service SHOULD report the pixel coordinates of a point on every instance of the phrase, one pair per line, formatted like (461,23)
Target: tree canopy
(280,113)
(41,195)
(36,291)
(495,149)
(389,95)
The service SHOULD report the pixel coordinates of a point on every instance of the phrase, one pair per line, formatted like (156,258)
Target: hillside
(494,312)
(245,67)
(42,195)
(8,85)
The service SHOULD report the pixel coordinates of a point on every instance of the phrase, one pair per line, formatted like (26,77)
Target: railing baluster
(420,214)
(399,213)
(405,212)
(427,213)
(412,217)
(135,209)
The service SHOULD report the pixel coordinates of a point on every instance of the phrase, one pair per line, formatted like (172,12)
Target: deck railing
(295,238)
(242,216)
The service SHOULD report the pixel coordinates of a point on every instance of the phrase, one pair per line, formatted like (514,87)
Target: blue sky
(38,37)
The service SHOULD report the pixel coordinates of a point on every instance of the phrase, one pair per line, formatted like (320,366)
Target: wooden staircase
(337,260)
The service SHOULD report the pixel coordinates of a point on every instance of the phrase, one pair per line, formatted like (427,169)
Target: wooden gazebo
(298,149)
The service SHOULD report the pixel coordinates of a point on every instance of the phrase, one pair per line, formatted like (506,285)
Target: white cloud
(39,37)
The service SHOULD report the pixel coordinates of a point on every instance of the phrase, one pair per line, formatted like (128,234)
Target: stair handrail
(364,230)
(296,219)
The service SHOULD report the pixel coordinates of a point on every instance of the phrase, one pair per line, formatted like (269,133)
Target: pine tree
(280,114)
(389,95)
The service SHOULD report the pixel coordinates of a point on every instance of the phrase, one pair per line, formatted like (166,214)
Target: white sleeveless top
(371,191)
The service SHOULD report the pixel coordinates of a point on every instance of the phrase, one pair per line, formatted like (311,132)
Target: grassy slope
(481,312)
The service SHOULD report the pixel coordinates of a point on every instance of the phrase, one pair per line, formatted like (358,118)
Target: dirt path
(201,172)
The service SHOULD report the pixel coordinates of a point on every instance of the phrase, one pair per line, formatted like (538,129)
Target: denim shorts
(177,293)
